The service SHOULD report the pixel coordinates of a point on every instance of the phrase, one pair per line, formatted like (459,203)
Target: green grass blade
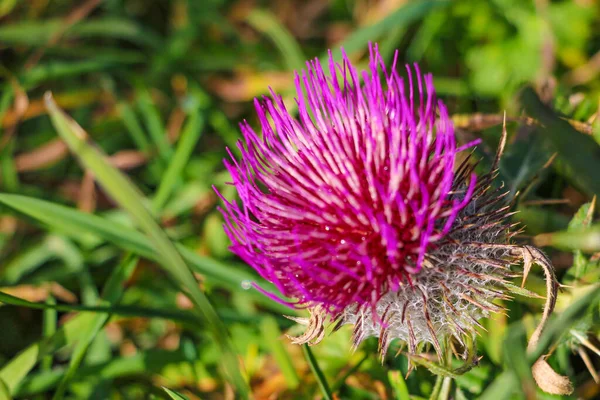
(48,328)
(129,198)
(36,33)
(272,337)
(57,70)
(566,320)
(73,223)
(152,361)
(501,388)
(514,346)
(189,138)
(133,127)
(398,385)
(123,270)
(4,391)
(14,371)
(586,240)
(154,125)
(319,376)
(119,28)
(403,16)
(27,261)
(9,178)
(265,22)
(579,151)
(174,395)
(6,6)
(108,308)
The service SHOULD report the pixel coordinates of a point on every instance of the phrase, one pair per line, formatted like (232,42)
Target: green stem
(436,388)
(314,367)
(445,390)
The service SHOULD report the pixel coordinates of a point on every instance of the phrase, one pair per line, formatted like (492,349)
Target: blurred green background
(92,302)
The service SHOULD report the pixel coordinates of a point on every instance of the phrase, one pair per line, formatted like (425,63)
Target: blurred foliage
(159,87)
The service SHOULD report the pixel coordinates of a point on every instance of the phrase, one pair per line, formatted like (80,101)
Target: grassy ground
(93,288)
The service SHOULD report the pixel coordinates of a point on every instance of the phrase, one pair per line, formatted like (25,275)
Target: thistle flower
(360,210)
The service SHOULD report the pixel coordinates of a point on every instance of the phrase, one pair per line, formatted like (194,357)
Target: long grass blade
(73,223)
(152,361)
(189,138)
(130,199)
(398,385)
(401,17)
(125,269)
(579,151)
(268,24)
(108,309)
(174,395)
(272,336)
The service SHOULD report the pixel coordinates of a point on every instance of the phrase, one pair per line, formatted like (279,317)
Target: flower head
(359,210)
(342,204)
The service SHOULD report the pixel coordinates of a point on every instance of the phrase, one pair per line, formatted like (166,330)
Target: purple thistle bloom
(357,210)
(341,204)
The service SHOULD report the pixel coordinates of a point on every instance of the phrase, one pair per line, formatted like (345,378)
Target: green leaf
(4,391)
(130,199)
(401,17)
(581,220)
(568,318)
(48,328)
(38,32)
(514,347)
(587,240)
(150,362)
(187,142)
(108,308)
(123,271)
(272,337)
(501,388)
(523,163)
(580,152)
(398,385)
(81,327)
(154,124)
(14,371)
(6,6)
(583,217)
(74,223)
(433,367)
(265,22)
(521,291)
(174,395)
